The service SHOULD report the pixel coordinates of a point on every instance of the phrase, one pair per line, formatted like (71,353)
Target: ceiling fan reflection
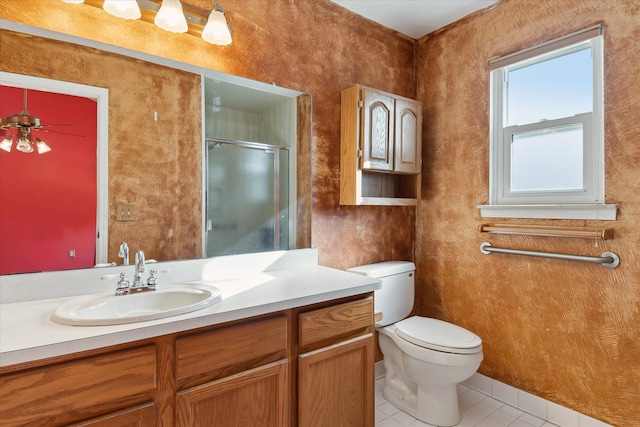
(25,123)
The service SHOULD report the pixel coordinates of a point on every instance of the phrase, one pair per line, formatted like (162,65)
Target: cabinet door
(377,131)
(336,385)
(255,398)
(408,136)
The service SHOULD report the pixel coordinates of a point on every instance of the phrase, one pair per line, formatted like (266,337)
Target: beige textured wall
(565,331)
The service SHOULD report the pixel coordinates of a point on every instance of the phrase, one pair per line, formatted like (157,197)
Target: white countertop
(27,332)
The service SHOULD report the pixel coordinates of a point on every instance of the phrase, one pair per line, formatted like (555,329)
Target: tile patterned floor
(478,410)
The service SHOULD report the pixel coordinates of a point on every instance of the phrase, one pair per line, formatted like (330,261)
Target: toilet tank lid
(383,269)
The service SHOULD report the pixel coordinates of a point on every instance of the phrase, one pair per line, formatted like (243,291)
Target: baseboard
(529,403)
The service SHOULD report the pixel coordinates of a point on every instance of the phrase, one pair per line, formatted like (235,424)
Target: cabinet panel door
(377,131)
(255,398)
(408,132)
(336,385)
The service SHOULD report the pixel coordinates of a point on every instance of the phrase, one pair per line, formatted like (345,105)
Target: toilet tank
(395,298)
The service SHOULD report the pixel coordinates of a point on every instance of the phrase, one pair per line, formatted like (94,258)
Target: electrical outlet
(72,253)
(126,212)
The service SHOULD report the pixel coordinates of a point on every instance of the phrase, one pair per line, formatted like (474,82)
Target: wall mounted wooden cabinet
(380,148)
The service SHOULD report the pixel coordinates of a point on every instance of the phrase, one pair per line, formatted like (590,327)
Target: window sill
(574,211)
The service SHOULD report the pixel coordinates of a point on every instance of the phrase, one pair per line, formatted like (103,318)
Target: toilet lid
(438,335)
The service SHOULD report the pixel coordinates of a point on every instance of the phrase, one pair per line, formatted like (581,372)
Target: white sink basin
(108,309)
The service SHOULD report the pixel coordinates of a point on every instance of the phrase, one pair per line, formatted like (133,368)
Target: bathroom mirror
(156,142)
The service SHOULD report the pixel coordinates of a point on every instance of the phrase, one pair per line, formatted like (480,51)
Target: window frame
(588,203)
(592,191)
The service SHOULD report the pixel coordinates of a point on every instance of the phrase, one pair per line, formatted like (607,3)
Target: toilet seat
(438,335)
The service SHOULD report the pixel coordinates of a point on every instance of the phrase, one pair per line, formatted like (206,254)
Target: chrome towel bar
(607,259)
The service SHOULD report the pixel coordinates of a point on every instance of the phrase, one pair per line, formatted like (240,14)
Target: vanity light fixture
(170,15)
(217,31)
(127,9)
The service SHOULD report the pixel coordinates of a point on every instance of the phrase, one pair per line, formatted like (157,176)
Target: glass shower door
(247,198)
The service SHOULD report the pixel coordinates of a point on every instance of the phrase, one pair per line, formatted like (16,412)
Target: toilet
(424,358)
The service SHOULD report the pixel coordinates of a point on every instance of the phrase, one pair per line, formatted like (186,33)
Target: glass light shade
(24,145)
(217,31)
(42,146)
(170,17)
(74,1)
(6,144)
(127,9)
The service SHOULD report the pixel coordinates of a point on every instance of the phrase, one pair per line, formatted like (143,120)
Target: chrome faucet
(138,285)
(140,268)
(124,253)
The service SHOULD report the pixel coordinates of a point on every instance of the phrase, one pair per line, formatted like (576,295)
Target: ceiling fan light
(171,18)
(6,144)
(24,145)
(127,9)
(217,30)
(42,146)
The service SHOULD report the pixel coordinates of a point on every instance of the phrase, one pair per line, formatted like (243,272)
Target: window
(547,131)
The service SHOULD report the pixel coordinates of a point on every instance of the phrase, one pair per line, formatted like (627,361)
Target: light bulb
(127,9)
(171,18)
(217,31)
(42,146)
(6,144)
(24,145)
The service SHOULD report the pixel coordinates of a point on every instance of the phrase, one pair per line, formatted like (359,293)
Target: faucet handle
(123,285)
(152,281)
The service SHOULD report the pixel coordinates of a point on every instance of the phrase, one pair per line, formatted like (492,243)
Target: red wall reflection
(48,201)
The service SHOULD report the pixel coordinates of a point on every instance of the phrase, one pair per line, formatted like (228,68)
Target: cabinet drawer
(73,391)
(335,321)
(139,416)
(222,352)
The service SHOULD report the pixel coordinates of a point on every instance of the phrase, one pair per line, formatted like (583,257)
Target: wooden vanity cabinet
(380,148)
(307,366)
(335,365)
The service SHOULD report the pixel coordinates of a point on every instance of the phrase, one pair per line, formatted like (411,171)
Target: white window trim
(578,205)
(590,211)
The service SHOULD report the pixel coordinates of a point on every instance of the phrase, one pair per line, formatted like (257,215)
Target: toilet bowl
(424,358)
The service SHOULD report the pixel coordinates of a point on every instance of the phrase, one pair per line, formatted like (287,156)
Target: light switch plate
(126,212)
